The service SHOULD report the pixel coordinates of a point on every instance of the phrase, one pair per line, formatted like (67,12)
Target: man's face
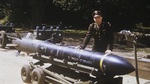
(98,19)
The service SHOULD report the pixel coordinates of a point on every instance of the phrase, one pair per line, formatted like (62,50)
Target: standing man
(101,32)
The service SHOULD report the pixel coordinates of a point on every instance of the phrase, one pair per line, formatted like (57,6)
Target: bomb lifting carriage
(69,65)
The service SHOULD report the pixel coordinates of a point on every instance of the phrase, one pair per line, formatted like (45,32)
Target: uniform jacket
(103,37)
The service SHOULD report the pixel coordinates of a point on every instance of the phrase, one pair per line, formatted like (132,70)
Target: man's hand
(108,51)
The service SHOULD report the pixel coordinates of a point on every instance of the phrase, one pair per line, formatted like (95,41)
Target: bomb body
(107,64)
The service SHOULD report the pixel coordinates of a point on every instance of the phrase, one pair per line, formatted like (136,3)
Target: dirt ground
(10,65)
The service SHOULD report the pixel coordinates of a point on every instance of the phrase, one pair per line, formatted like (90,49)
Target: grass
(74,33)
(3,21)
(147,50)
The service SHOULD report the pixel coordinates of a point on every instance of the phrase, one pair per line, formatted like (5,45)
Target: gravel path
(11,66)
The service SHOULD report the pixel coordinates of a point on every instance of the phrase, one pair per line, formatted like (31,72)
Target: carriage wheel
(25,74)
(3,39)
(37,76)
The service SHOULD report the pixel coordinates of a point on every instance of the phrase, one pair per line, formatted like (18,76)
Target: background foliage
(123,14)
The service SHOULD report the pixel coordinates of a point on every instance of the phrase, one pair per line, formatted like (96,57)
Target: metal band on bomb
(101,62)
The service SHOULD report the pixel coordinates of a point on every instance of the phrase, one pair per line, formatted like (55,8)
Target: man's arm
(88,36)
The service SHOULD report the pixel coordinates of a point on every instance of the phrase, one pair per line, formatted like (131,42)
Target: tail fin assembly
(28,35)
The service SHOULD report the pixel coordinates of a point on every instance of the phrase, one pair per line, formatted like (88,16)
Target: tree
(24,12)
(123,14)
(20,13)
(5,8)
(38,10)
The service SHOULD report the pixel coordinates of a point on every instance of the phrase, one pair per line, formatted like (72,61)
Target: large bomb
(105,63)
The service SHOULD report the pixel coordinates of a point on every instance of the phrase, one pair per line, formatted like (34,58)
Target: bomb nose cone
(117,65)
